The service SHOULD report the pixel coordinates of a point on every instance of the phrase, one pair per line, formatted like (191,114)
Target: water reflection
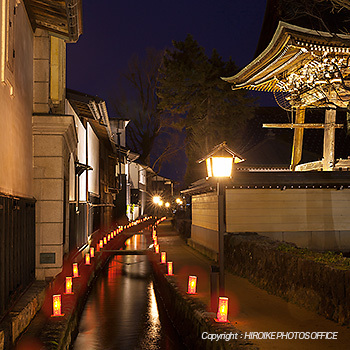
(122,311)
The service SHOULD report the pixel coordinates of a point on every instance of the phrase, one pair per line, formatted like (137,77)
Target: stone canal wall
(190,316)
(317,281)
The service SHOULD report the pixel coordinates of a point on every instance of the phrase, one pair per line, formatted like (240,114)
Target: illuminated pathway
(250,308)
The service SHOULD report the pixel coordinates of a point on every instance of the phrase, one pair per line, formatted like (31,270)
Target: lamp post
(219,164)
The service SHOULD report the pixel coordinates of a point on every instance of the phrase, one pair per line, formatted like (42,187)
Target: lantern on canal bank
(170,268)
(192,285)
(104,240)
(101,243)
(222,310)
(92,252)
(108,237)
(75,270)
(69,285)
(56,305)
(163,257)
(87,259)
(156,248)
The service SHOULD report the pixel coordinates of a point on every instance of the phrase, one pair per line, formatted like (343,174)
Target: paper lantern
(56,305)
(222,310)
(192,285)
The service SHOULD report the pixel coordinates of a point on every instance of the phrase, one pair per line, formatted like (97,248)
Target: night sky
(115,30)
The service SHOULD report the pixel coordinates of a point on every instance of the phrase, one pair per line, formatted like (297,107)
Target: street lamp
(220,165)
(156,199)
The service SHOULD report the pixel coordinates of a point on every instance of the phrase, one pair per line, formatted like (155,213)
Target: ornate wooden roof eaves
(289,40)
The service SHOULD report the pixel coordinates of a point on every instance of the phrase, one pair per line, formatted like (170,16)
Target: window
(8,53)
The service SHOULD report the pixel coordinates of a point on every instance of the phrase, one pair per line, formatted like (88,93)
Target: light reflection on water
(122,311)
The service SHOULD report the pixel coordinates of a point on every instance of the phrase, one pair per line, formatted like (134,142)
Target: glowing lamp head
(178,200)
(167,205)
(192,285)
(219,166)
(92,252)
(69,285)
(56,305)
(163,257)
(87,259)
(75,270)
(170,268)
(220,161)
(222,310)
(156,199)
(156,249)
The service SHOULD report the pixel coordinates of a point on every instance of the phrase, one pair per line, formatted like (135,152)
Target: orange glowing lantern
(101,243)
(104,240)
(87,259)
(92,252)
(192,285)
(156,248)
(108,237)
(222,310)
(56,305)
(69,285)
(163,257)
(75,270)
(170,268)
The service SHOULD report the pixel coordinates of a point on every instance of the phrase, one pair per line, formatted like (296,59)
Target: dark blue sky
(115,30)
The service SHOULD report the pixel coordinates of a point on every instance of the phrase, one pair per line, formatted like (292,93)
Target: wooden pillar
(298,138)
(329,140)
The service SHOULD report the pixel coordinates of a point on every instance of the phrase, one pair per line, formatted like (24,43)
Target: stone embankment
(317,281)
(191,317)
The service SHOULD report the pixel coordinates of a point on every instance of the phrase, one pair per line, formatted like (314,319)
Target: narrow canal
(122,311)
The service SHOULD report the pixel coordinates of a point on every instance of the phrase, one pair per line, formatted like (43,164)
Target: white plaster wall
(299,210)
(134,175)
(70,111)
(93,161)
(81,154)
(205,211)
(16,168)
(142,178)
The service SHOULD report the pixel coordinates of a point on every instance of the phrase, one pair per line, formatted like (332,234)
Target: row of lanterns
(222,312)
(56,298)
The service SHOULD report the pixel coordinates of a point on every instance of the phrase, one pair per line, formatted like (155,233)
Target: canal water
(122,311)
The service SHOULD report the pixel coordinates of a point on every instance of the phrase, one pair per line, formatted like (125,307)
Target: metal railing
(17,248)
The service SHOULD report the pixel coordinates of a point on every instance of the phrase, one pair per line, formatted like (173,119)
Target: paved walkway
(251,309)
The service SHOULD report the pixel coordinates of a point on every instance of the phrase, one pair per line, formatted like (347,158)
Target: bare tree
(136,100)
